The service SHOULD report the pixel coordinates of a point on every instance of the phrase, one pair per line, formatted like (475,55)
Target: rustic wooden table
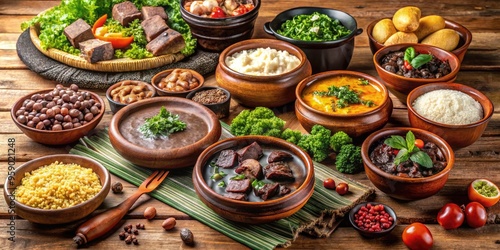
(480,69)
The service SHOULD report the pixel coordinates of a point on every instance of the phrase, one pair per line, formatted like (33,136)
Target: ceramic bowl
(356,124)
(367,233)
(458,136)
(255,211)
(463,32)
(328,55)
(148,91)
(267,91)
(215,34)
(60,137)
(406,188)
(56,216)
(401,86)
(221,109)
(163,92)
(180,149)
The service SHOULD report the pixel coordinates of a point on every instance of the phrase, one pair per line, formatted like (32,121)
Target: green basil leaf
(409,54)
(395,141)
(420,60)
(402,156)
(422,158)
(410,141)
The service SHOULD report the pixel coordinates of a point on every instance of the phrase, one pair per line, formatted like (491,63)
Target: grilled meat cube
(153,27)
(239,186)
(278,155)
(77,32)
(284,190)
(125,12)
(226,158)
(278,171)
(267,191)
(168,42)
(250,168)
(150,11)
(95,50)
(236,196)
(252,151)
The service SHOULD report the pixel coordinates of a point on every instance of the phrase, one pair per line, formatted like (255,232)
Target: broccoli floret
(339,139)
(349,159)
(292,136)
(260,121)
(317,143)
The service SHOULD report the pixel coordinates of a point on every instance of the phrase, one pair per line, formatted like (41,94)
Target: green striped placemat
(318,217)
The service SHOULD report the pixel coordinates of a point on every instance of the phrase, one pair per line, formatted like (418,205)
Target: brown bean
(64,111)
(74,113)
(56,127)
(89,117)
(68,125)
(169,223)
(22,119)
(149,213)
(40,125)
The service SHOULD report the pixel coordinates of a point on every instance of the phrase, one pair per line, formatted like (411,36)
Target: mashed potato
(262,62)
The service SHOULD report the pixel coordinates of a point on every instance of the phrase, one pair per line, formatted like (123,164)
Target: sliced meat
(95,50)
(284,190)
(267,191)
(278,155)
(77,32)
(251,168)
(239,186)
(278,171)
(226,158)
(252,151)
(125,12)
(151,11)
(168,42)
(236,196)
(153,27)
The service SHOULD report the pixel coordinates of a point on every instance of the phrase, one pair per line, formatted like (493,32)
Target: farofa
(57,186)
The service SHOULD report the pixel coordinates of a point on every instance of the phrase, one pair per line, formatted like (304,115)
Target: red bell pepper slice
(116,42)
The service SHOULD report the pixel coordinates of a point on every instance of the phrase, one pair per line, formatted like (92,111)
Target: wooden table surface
(480,69)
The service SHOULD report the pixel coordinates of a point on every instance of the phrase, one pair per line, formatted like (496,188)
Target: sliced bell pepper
(118,42)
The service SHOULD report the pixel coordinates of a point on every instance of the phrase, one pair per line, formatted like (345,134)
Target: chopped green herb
(416,61)
(363,81)
(238,177)
(221,184)
(408,150)
(162,124)
(256,184)
(313,27)
(217,174)
(345,96)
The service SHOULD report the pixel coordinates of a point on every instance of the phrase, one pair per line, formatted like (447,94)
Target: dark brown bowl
(267,91)
(61,137)
(255,212)
(458,136)
(220,109)
(401,86)
(161,92)
(116,105)
(184,146)
(216,34)
(56,216)
(354,125)
(463,43)
(367,233)
(405,188)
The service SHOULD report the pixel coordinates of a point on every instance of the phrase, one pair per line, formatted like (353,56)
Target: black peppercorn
(117,187)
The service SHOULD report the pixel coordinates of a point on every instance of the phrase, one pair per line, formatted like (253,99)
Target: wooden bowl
(266,91)
(367,233)
(162,92)
(220,109)
(463,43)
(61,137)
(401,86)
(181,148)
(255,212)
(116,105)
(458,136)
(405,188)
(56,216)
(354,125)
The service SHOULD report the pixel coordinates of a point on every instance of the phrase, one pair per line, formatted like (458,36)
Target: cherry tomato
(217,12)
(450,216)
(417,236)
(395,151)
(407,65)
(475,214)
(419,143)
(329,183)
(342,188)
(484,192)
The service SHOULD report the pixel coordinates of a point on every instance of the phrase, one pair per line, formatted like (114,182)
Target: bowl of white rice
(456,112)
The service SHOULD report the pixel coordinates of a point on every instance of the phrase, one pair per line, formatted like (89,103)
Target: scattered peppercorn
(135,231)
(117,187)
(140,226)
(135,241)
(187,236)
(128,240)
(122,235)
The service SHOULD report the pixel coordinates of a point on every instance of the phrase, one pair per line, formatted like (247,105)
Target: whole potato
(428,25)
(407,19)
(446,39)
(383,29)
(401,37)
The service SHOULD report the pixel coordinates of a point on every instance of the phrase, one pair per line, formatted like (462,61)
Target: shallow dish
(181,148)
(162,92)
(367,233)
(221,109)
(117,105)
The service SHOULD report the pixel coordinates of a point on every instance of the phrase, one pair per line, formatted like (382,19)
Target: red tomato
(484,192)
(342,188)
(475,214)
(217,12)
(417,236)
(450,216)
(419,143)
(407,65)
(329,183)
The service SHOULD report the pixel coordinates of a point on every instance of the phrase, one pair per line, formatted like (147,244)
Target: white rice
(448,106)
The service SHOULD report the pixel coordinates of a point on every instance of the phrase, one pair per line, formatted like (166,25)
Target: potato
(428,25)
(446,39)
(406,19)
(401,37)
(383,29)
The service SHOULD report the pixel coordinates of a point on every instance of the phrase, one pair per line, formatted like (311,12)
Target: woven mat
(318,218)
(202,61)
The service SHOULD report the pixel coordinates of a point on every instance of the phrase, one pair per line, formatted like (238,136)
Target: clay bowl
(354,124)
(215,34)
(60,137)
(267,91)
(180,149)
(327,55)
(458,136)
(162,92)
(63,215)
(401,86)
(115,105)
(463,43)
(367,233)
(221,109)
(406,188)
(254,211)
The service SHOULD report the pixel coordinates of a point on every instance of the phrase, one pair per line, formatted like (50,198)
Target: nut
(117,187)
(149,213)
(187,236)
(169,223)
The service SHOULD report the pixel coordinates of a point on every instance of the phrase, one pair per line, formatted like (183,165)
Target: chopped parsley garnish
(345,96)
(314,27)
(162,124)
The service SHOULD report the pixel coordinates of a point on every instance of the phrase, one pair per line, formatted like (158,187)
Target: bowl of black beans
(216,99)
(58,116)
